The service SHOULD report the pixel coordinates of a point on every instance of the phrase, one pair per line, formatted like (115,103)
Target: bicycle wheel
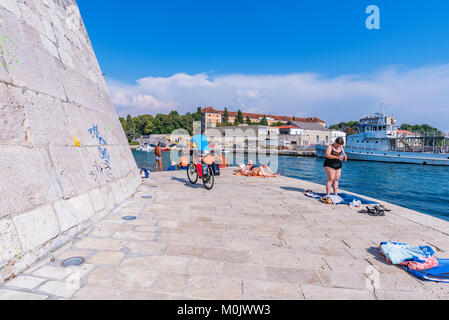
(192,174)
(208,180)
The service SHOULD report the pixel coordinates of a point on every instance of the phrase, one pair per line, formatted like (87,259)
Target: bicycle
(196,170)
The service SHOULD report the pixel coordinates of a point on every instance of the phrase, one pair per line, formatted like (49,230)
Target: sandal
(382,207)
(376,212)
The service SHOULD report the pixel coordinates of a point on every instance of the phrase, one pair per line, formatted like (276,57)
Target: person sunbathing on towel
(264,171)
(245,170)
(257,171)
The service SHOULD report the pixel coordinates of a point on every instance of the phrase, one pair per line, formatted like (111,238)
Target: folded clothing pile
(419,261)
(414,258)
(331,199)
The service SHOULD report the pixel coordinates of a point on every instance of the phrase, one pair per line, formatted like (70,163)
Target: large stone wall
(64,159)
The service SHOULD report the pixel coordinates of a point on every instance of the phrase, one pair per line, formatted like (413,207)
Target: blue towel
(437,274)
(347,198)
(401,252)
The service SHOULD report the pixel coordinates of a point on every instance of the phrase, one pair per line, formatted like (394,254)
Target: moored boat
(378,139)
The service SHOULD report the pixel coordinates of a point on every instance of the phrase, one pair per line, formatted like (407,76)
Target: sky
(299,57)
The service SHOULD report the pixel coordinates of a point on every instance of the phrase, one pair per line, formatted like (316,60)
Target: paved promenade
(248,238)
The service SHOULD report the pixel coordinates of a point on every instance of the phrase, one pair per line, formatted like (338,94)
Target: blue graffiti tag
(104,153)
(101,141)
(94,132)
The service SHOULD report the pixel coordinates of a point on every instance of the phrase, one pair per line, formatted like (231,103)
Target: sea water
(417,187)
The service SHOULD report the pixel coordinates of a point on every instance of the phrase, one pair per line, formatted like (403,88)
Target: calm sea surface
(417,187)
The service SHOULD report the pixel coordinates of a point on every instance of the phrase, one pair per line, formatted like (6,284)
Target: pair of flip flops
(377,210)
(311,194)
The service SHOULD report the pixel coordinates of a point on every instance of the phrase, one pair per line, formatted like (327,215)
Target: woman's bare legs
(335,184)
(330,179)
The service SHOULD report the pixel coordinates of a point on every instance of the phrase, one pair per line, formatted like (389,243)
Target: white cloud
(419,95)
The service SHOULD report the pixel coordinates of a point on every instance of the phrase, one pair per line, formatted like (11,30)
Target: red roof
(259,115)
(210,110)
(405,132)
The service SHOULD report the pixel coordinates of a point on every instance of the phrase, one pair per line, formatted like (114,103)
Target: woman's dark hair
(340,141)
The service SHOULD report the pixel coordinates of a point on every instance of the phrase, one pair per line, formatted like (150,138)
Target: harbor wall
(64,158)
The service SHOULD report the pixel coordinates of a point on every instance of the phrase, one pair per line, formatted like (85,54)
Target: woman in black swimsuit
(335,155)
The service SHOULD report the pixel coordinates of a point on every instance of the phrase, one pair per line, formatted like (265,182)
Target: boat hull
(390,156)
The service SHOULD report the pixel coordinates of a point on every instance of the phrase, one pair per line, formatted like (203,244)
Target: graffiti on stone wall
(8,52)
(102,167)
(76,142)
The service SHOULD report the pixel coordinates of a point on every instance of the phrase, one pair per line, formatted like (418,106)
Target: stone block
(46,120)
(82,119)
(166,264)
(73,211)
(122,278)
(36,68)
(9,242)
(97,200)
(59,289)
(108,197)
(13,122)
(19,295)
(36,227)
(25,282)
(117,191)
(71,168)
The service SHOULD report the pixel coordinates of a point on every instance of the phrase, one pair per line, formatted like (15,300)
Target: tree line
(147,124)
(136,127)
(351,128)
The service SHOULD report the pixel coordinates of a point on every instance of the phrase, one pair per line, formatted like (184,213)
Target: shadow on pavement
(293,189)
(187,182)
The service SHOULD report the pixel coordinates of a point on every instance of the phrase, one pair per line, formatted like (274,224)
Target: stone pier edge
(57,223)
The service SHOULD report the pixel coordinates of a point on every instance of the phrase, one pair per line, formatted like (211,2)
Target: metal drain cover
(129,218)
(74,261)
(147,197)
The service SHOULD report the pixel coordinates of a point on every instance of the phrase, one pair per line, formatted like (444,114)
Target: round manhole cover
(74,261)
(129,218)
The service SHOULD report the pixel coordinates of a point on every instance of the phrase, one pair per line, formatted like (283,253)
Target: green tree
(197,115)
(248,121)
(277,124)
(225,115)
(264,121)
(144,124)
(239,118)
(130,130)
(123,122)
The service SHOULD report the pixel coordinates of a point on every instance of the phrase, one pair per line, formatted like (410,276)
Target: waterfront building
(211,117)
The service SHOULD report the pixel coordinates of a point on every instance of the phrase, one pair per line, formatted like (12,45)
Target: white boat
(378,139)
(145,148)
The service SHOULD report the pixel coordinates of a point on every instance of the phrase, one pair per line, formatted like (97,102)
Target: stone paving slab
(247,238)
